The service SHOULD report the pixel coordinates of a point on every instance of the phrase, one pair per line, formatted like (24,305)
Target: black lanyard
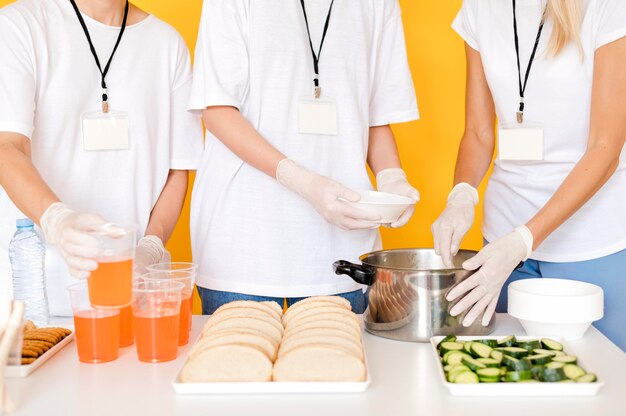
(316,57)
(522,87)
(105,97)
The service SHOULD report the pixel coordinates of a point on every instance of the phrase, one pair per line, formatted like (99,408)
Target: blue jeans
(608,272)
(213,299)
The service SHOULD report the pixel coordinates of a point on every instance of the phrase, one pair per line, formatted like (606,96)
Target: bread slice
(242,330)
(226,338)
(299,306)
(335,299)
(318,311)
(315,331)
(275,333)
(344,343)
(327,320)
(318,363)
(249,304)
(308,307)
(214,320)
(241,310)
(227,363)
(344,316)
(275,306)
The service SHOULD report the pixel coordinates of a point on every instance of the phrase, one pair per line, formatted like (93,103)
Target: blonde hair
(566,16)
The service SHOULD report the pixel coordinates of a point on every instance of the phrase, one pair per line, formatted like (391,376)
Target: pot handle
(358,272)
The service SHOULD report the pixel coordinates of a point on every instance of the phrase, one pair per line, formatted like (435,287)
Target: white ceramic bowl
(388,206)
(556,307)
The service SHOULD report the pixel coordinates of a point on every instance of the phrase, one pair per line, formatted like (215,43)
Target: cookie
(28,360)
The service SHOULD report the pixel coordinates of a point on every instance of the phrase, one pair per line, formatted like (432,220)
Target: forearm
(474,158)
(20,179)
(382,150)
(589,175)
(232,129)
(166,211)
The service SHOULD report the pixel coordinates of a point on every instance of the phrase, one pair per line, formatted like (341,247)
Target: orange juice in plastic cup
(110,285)
(97,330)
(187,277)
(156,313)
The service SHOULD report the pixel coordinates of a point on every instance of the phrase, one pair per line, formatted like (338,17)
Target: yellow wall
(427,147)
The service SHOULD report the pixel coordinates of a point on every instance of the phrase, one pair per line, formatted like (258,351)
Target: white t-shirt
(250,234)
(558,95)
(48,78)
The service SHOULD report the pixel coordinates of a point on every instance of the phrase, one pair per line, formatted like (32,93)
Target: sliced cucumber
(542,351)
(555,364)
(488,375)
(492,343)
(497,355)
(452,375)
(507,342)
(558,353)
(467,347)
(528,345)
(587,378)
(489,362)
(473,364)
(453,357)
(517,376)
(552,374)
(567,359)
(517,365)
(450,346)
(551,344)
(515,352)
(447,338)
(573,371)
(466,377)
(539,359)
(536,371)
(481,350)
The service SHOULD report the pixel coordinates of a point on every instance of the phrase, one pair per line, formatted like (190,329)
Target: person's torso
(237,208)
(558,96)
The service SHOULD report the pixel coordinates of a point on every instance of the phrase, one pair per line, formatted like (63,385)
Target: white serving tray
(20,371)
(518,389)
(273,387)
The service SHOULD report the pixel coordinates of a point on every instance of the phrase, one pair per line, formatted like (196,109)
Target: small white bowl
(556,307)
(388,206)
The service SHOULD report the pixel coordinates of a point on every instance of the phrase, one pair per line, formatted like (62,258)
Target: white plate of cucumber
(512,366)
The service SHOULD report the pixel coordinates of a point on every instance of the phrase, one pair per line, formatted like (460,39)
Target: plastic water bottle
(28,254)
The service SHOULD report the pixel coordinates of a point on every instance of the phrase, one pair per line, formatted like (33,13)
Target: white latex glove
(454,222)
(324,195)
(393,181)
(496,261)
(149,251)
(69,230)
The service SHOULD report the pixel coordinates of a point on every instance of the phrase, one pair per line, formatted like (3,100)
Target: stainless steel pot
(407,293)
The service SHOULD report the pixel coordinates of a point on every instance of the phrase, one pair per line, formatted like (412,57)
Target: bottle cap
(24,222)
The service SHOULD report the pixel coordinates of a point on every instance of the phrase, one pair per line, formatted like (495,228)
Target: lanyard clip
(520,113)
(316,83)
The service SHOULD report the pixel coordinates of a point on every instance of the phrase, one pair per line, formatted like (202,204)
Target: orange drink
(97,335)
(157,337)
(127,330)
(110,285)
(184,326)
(156,313)
(183,273)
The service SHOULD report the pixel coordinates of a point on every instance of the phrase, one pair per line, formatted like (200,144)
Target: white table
(404,382)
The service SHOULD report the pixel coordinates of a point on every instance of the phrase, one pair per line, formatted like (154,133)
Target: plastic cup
(185,277)
(176,265)
(156,313)
(110,285)
(97,330)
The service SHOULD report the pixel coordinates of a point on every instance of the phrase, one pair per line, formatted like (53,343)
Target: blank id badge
(520,142)
(317,116)
(105,131)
